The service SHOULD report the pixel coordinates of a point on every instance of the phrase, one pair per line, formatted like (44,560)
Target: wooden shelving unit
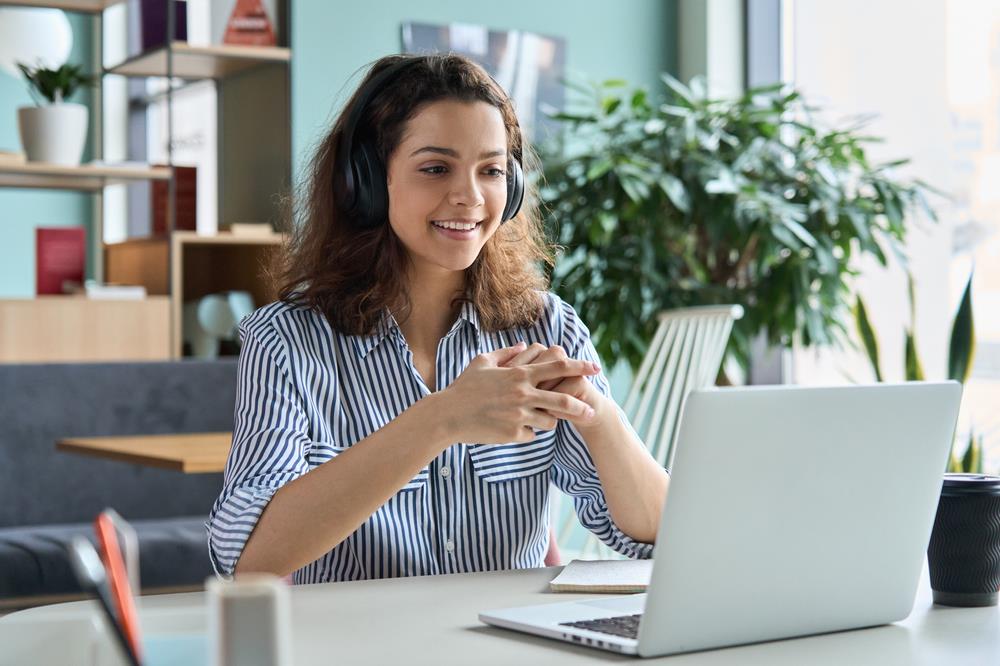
(179,266)
(202,62)
(70,329)
(85,178)
(196,266)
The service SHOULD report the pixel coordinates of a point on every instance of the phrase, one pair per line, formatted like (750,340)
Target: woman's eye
(434,170)
(496,173)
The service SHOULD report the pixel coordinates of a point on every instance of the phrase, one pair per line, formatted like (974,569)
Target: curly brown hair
(351,274)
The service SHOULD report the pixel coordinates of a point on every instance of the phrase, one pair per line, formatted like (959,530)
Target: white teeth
(459,226)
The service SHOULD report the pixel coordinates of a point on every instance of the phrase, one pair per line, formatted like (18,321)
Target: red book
(60,256)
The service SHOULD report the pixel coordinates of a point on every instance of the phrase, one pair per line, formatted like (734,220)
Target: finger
(561,405)
(538,419)
(567,367)
(500,356)
(551,384)
(529,355)
(553,353)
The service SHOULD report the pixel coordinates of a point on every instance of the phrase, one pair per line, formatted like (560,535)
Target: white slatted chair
(685,354)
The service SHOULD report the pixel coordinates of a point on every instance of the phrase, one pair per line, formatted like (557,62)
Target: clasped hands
(508,394)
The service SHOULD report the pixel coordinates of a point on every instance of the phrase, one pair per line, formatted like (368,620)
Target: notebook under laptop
(791,511)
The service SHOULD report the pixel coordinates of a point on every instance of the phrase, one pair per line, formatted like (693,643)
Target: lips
(462,224)
(457,230)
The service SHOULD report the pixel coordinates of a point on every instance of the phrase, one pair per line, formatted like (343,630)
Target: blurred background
(743,192)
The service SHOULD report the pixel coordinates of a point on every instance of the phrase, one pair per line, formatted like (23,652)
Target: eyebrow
(454,153)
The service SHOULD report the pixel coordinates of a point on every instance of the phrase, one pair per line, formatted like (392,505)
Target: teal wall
(22,210)
(632,39)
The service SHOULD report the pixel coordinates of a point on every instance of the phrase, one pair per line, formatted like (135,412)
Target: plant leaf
(867,336)
(914,369)
(676,192)
(962,348)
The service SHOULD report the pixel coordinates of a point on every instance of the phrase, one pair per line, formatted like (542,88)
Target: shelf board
(74,329)
(194,238)
(86,177)
(227,238)
(89,6)
(202,62)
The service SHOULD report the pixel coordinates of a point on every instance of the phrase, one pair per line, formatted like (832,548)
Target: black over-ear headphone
(360,177)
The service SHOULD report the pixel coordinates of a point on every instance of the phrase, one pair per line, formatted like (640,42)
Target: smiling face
(447,184)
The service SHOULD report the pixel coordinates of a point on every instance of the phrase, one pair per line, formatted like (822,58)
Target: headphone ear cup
(371,194)
(515,190)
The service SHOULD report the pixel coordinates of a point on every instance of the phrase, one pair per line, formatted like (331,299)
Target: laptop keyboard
(626,626)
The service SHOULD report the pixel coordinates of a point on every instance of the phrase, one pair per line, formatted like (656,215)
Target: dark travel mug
(964,551)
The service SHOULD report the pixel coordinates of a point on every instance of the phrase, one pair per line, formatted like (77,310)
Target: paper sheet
(619,576)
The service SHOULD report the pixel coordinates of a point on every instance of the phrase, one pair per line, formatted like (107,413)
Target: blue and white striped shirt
(306,392)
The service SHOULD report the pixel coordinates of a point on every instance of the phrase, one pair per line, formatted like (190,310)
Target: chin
(456,263)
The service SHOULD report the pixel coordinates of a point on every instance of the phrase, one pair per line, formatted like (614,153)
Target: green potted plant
(54,130)
(689,200)
(961,352)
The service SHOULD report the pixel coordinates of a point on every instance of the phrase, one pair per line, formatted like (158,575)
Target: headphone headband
(346,144)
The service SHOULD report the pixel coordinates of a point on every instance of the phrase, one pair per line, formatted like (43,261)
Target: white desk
(432,620)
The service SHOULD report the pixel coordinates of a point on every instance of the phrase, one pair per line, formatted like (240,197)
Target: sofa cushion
(41,404)
(35,560)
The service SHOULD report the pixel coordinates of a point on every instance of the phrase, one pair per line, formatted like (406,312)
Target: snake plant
(961,352)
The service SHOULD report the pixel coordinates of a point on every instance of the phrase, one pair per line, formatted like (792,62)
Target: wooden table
(197,453)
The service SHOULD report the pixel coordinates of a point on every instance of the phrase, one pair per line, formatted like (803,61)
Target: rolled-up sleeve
(573,469)
(270,443)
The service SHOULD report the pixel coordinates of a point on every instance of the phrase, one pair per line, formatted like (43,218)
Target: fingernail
(595,367)
(589,413)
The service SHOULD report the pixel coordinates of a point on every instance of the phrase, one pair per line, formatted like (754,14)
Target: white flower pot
(55,133)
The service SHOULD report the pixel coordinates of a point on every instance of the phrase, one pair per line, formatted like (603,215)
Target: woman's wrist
(432,418)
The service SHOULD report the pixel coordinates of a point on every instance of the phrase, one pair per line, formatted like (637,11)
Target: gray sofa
(47,496)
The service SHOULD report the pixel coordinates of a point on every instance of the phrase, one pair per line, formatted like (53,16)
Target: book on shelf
(244,22)
(107,291)
(60,257)
(249,21)
(147,24)
(114,292)
(185,201)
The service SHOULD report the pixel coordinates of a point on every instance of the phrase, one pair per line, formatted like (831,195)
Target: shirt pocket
(505,462)
(320,452)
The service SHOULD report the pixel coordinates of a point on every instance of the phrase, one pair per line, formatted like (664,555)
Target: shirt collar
(365,343)
(387,324)
(469,314)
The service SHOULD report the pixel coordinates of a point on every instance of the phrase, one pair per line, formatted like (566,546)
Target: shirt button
(445,471)
(449,546)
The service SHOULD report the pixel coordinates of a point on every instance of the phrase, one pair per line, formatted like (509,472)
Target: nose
(465,191)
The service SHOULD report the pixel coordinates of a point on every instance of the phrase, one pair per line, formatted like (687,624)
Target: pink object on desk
(552,556)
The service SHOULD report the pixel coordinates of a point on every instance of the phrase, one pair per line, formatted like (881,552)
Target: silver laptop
(791,511)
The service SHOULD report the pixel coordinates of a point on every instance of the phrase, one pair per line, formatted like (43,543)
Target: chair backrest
(685,355)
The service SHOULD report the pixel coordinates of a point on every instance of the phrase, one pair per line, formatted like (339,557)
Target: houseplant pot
(55,133)
(55,130)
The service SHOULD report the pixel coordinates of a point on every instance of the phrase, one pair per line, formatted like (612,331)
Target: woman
(404,406)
